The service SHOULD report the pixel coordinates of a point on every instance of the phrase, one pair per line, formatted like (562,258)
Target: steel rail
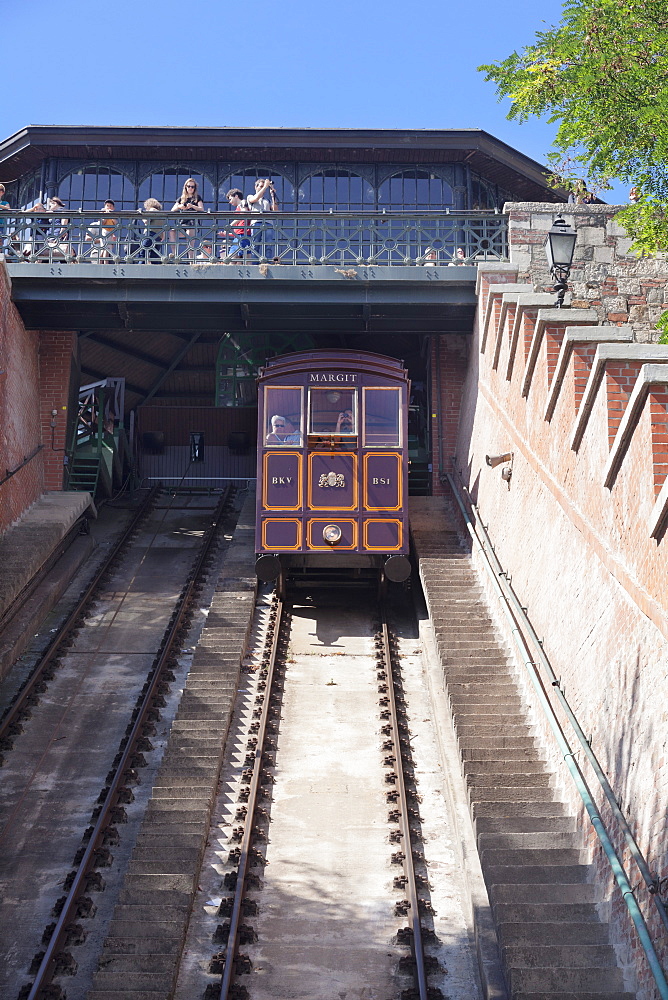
(235,916)
(46,971)
(618,871)
(17,707)
(417,946)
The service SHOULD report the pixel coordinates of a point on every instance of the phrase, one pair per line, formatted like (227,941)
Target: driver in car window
(278,431)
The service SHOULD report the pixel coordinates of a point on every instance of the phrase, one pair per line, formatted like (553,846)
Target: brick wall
(20,431)
(605,277)
(449,358)
(35,375)
(579,527)
(57,364)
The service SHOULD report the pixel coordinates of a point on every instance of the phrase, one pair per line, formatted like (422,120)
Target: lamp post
(559,249)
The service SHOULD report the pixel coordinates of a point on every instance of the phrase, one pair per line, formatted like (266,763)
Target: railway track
(326,889)
(48,661)
(44,716)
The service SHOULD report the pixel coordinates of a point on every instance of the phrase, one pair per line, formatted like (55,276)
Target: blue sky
(349,64)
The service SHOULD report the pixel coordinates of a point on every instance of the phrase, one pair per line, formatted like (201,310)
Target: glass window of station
(300,187)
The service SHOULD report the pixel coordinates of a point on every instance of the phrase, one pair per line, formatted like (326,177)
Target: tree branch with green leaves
(602,75)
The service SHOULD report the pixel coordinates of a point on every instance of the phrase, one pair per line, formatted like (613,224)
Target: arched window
(29,190)
(89,187)
(483,193)
(338,189)
(415,189)
(167,185)
(244,180)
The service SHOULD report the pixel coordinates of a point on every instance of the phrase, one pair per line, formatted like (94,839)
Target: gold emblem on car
(332,479)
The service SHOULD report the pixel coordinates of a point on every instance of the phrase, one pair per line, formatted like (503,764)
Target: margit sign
(331,377)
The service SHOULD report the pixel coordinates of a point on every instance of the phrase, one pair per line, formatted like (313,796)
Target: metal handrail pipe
(28,458)
(579,780)
(650,880)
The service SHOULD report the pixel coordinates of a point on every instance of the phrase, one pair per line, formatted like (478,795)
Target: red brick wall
(56,354)
(35,374)
(20,432)
(620,378)
(658,400)
(449,360)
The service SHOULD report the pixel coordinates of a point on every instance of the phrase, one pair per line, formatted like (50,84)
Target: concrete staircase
(552,941)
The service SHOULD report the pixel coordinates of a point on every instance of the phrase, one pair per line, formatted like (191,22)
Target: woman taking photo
(190,201)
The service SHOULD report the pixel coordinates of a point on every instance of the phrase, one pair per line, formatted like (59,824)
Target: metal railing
(543,680)
(342,238)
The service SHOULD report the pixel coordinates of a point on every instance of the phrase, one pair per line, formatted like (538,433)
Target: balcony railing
(342,238)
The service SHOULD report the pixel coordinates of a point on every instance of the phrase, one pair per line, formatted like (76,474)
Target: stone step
(473,657)
(565,980)
(501,755)
(477,678)
(492,722)
(142,946)
(546,913)
(524,824)
(168,914)
(506,698)
(529,841)
(530,795)
(160,984)
(483,642)
(580,995)
(536,872)
(450,621)
(545,806)
(531,776)
(514,775)
(523,874)
(540,858)
(544,893)
(574,932)
(510,712)
(471,682)
(497,743)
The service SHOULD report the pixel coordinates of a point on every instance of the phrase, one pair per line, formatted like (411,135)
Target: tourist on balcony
(459,258)
(262,231)
(190,201)
(236,237)
(57,245)
(152,237)
(102,234)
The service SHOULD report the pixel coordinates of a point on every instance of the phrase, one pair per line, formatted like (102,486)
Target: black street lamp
(559,249)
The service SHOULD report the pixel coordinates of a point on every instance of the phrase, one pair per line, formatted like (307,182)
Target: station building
(129,347)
